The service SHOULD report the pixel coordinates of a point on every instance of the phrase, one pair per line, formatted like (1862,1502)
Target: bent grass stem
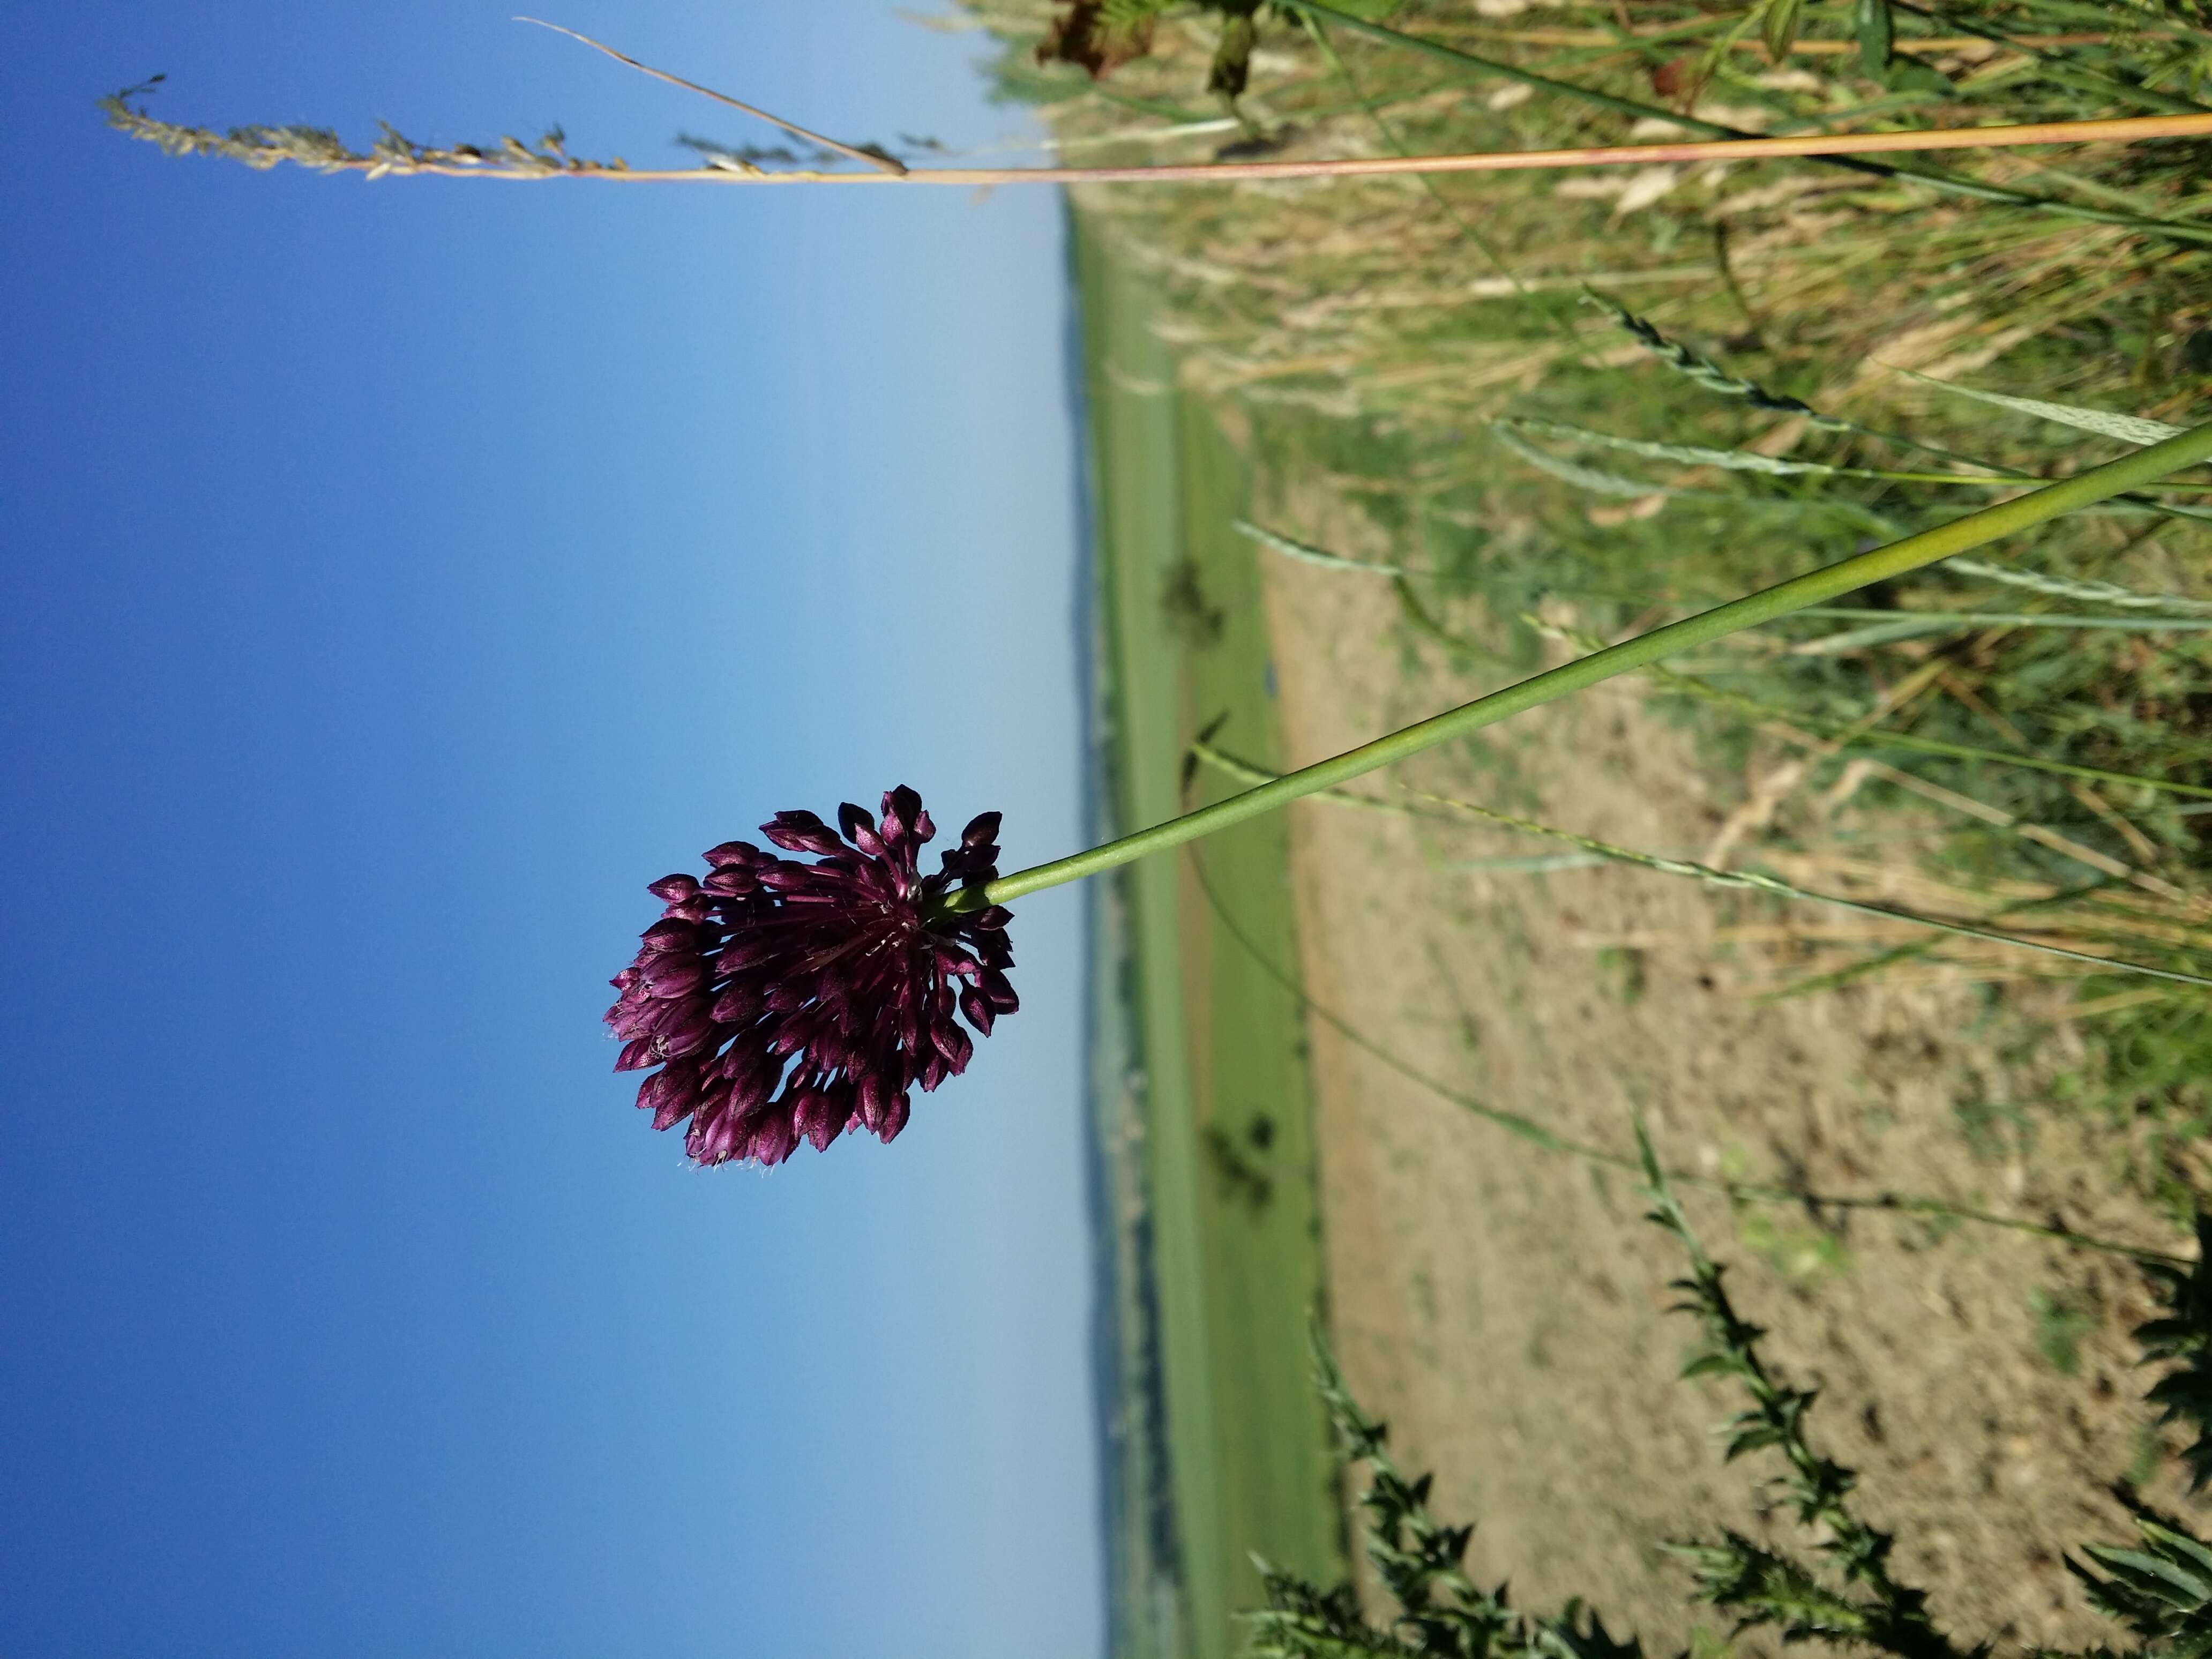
(1858,734)
(887,164)
(1551,1141)
(1746,880)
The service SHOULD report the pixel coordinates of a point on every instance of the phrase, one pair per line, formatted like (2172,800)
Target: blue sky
(397,578)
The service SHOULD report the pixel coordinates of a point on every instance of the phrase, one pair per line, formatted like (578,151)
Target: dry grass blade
(1748,880)
(858,153)
(460,163)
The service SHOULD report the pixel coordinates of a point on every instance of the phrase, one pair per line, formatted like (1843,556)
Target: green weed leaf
(1874,27)
(1232,57)
(2162,1592)
(2158,1576)
(1714,1363)
(2183,1335)
(1778,28)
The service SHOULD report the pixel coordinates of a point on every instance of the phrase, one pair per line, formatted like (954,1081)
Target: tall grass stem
(1815,587)
(2128,131)
(396,158)
(1750,880)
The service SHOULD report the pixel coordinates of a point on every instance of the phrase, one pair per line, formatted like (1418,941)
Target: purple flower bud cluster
(783,999)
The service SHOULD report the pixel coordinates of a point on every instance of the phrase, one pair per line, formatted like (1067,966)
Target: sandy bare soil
(1506,1311)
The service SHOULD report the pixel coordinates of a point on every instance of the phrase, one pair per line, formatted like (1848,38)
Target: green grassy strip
(1527,1128)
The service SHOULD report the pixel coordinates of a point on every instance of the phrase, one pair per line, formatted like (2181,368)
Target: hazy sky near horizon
(397,577)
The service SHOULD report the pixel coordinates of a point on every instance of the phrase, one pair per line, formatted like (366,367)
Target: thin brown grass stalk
(2128,131)
(519,163)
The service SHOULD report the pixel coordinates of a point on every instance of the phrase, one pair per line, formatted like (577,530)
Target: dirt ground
(1506,1311)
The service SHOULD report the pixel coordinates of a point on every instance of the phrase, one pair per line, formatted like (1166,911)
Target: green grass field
(1219,1226)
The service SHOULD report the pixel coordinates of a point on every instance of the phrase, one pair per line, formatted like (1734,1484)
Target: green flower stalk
(1975,530)
(783,1001)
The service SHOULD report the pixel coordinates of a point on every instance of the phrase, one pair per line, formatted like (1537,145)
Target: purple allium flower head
(783,999)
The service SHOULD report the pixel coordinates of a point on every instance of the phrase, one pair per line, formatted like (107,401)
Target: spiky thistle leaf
(2162,1592)
(2183,1335)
